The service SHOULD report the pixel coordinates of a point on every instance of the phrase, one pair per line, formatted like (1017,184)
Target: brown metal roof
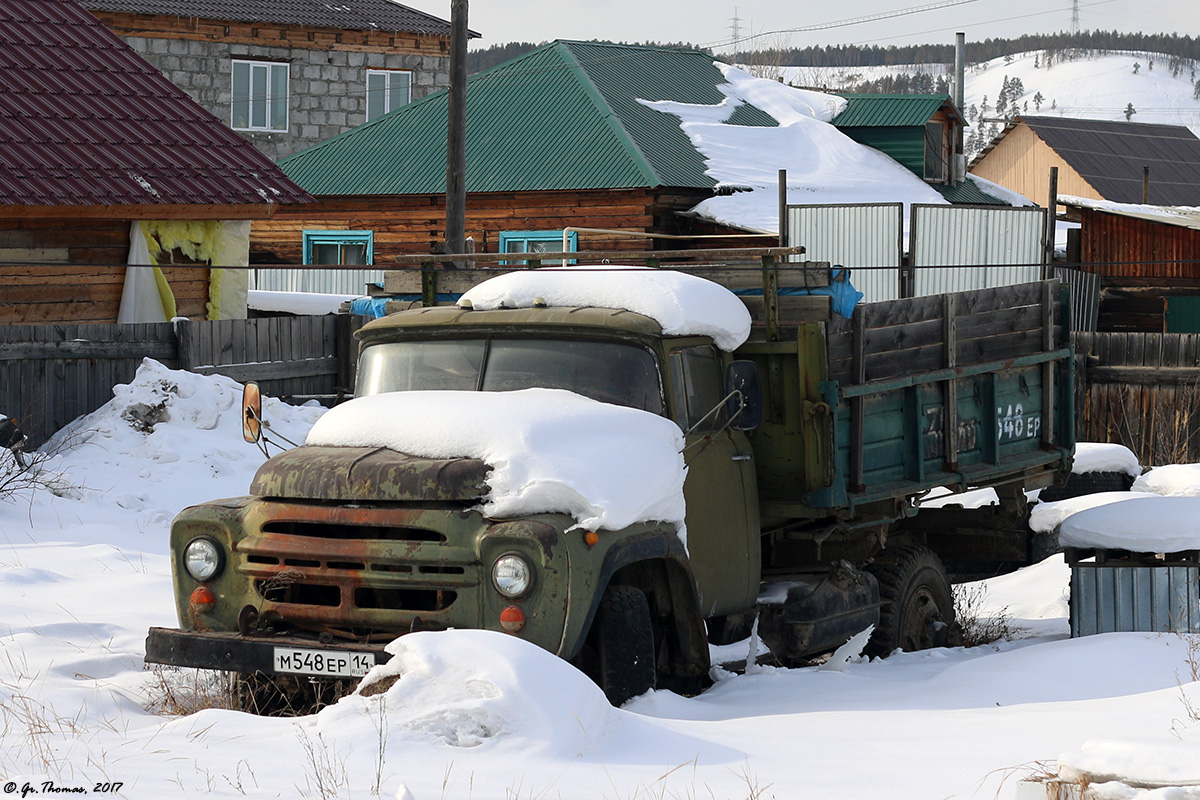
(368,15)
(85,121)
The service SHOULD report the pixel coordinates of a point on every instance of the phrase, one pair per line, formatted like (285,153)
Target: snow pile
(1174,480)
(1102,457)
(1145,524)
(684,305)
(823,164)
(1046,517)
(167,439)
(466,687)
(550,450)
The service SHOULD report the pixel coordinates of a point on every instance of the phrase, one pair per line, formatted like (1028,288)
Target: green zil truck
(810,451)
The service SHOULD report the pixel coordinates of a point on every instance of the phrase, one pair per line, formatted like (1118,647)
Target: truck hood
(369,474)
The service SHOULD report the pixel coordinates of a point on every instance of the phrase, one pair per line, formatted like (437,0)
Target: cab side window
(699,387)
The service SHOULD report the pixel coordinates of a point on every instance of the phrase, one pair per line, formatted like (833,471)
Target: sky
(709,22)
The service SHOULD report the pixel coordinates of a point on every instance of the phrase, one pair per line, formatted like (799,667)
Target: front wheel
(918,607)
(623,639)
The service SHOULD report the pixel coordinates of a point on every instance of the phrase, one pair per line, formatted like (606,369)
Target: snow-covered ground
(85,571)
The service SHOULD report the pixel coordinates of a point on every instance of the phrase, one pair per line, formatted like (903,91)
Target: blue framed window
(537,242)
(339,247)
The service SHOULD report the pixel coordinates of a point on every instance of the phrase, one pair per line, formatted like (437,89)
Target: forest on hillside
(1181,47)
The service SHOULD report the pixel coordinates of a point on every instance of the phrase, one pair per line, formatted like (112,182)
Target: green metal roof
(563,116)
(966,193)
(890,110)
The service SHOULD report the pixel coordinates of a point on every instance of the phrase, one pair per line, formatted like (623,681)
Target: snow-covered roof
(684,305)
(1181,216)
(823,164)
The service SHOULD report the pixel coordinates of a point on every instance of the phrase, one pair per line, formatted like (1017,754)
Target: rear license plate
(333,663)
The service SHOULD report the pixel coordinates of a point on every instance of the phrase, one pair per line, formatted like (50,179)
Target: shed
(1148,259)
(1096,159)
(921,131)
(95,144)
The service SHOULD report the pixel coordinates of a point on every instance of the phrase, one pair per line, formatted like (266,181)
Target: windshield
(610,372)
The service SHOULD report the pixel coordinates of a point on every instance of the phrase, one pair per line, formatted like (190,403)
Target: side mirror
(251,413)
(744,406)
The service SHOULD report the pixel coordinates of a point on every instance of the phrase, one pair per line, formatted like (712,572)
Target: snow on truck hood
(684,305)
(550,450)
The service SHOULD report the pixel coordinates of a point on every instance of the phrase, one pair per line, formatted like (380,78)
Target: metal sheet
(961,248)
(327,281)
(866,238)
(1084,290)
(1107,599)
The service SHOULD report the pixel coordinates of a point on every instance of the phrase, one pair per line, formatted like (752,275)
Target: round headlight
(512,575)
(203,559)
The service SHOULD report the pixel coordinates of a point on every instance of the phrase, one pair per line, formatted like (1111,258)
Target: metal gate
(959,248)
(867,238)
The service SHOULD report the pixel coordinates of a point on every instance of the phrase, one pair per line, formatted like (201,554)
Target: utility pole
(1075,16)
(456,132)
(736,29)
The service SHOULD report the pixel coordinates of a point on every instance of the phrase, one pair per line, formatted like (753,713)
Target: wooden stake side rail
(942,339)
(757,274)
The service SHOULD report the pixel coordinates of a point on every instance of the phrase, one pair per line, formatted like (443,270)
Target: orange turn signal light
(591,537)
(512,619)
(203,599)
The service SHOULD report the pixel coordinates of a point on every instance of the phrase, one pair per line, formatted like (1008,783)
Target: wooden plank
(274,371)
(1154,376)
(53,349)
(950,388)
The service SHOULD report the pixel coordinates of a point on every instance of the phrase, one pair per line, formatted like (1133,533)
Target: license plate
(333,663)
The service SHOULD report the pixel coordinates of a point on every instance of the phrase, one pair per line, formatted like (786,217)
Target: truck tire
(918,607)
(1081,483)
(624,643)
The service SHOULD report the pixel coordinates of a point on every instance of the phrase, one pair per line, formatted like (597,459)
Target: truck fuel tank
(810,614)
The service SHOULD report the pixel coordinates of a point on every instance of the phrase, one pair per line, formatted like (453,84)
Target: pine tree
(1136,68)
(1129,112)
(1038,99)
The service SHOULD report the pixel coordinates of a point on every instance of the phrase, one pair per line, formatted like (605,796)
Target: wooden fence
(1141,390)
(51,374)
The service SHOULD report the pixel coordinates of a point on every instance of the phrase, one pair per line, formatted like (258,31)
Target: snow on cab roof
(684,305)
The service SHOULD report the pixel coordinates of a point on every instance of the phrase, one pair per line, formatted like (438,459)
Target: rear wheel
(918,607)
(623,640)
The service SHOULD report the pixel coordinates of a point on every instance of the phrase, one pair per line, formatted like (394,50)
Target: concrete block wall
(327,90)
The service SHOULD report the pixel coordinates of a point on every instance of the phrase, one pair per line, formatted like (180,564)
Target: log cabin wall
(64,271)
(1142,264)
(415,224)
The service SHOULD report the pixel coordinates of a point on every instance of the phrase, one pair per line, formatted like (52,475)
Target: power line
(842,23)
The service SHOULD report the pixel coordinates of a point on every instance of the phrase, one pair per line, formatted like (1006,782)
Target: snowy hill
(1084,86)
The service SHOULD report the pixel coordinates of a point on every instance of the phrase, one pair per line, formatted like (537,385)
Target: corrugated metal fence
(866,238)
(959,248)
(51,374)
(951,248)
(322,281)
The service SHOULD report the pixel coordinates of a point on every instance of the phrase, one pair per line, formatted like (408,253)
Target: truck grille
(320,568)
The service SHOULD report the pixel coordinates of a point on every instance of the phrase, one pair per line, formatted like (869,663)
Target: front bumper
(233,652)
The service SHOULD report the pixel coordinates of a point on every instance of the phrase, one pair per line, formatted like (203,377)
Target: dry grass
(976,628)
(178,692)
